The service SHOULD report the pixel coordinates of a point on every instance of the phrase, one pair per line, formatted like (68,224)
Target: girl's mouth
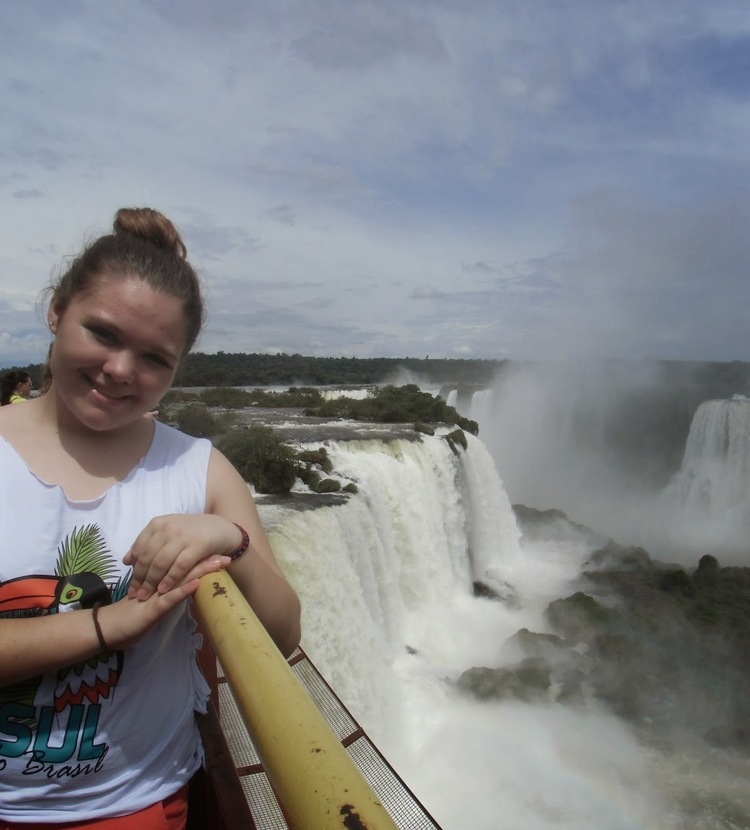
(101,391)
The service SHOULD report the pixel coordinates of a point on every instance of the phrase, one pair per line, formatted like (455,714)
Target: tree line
(238,369)
(226,369)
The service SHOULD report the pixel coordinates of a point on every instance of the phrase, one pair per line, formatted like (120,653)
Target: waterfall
(710,495)
(390,619)
(394,559)
(480,407)
(715,471)
(358,394)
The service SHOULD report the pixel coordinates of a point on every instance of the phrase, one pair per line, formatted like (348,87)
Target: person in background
(122,515)
(15,387)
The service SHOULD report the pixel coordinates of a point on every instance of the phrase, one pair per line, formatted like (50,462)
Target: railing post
(318,785)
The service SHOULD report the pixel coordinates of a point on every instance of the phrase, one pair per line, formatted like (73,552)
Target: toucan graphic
(83,568)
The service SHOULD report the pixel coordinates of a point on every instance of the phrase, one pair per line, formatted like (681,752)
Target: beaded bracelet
(99,635)
(243,546)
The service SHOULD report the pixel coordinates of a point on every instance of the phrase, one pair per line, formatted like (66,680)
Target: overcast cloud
(460,178)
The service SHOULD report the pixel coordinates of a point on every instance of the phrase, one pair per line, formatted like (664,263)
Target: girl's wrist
(243,545)
(97,626)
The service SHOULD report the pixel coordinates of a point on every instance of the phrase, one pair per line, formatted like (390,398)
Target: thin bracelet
(243,546)
(99,635)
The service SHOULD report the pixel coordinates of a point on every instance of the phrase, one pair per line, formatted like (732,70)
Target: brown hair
(144,244)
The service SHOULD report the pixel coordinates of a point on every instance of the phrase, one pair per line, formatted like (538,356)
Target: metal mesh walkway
(401,804)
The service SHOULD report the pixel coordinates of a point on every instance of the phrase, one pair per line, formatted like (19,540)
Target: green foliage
(708,563)
(226,396)
(578,615)
(310,477)
(396,405)
(176,396)
(319,457)
(300,398)
(168,414)
(261,457)
(328,485)
(456,439)
(194,419)
(677,582)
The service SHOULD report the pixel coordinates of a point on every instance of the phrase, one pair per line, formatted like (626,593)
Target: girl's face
(24,388)
(117,347)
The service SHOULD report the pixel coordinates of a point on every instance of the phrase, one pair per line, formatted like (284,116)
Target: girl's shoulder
(171,442)
(15,418)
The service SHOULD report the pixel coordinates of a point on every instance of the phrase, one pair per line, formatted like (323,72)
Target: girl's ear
(52,318)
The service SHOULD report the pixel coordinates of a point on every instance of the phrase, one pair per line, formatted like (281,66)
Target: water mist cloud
(548,768)
(551,429)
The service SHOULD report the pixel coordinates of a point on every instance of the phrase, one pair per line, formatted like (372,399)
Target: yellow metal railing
(317,783)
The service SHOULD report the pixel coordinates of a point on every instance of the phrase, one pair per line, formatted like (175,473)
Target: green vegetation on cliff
(394,405)
(272,466)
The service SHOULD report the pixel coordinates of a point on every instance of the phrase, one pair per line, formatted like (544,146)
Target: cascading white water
(356,394)
(391,561)
(480,407)
(711,491)
(390,620)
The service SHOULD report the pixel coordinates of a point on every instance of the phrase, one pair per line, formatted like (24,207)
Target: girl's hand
(175,549)
(126,621)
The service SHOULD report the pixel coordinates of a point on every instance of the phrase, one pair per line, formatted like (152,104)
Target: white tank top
(116,733)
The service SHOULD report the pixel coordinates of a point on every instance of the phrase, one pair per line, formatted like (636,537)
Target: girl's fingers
(179,594)
(206,566)
(179,573)
(170,565)
(162,558)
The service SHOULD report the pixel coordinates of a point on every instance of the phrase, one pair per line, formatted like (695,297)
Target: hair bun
(152,226)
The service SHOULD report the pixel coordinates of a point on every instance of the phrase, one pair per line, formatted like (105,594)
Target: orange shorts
(170,814)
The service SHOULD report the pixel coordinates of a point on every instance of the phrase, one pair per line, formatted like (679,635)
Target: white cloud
(484,178)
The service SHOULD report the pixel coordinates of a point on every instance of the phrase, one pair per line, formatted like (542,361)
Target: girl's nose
(120,366)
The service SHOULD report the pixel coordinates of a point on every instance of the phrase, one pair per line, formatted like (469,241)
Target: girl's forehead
(132,303)
(126,293)
(119,282)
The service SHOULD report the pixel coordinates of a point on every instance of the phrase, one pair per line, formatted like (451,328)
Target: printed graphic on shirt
(51,720)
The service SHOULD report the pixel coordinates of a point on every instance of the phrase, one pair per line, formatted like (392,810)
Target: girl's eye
(103,335)
(158,360)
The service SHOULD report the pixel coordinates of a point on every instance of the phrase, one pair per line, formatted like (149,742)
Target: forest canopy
(224,369)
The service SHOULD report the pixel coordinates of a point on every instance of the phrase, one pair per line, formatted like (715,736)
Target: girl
(121,516)
(15,387)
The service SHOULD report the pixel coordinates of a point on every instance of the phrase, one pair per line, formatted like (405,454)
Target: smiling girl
(121,516)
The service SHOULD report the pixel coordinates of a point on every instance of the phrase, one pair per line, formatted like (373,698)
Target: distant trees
(703,379)
(225,369)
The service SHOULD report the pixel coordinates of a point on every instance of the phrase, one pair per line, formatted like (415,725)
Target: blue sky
(458,178)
